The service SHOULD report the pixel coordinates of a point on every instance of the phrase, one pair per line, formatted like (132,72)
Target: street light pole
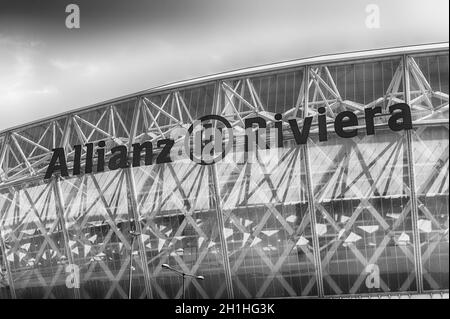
(182,274)
(133,237)
(184,277)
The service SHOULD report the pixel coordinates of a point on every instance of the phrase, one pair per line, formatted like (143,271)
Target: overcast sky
(131,45)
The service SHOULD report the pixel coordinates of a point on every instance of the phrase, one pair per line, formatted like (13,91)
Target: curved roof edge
(329,58)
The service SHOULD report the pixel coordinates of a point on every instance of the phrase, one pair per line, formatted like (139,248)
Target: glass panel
(160,114)
(264,94)
(428,77)
(431,149)
(177,211)
(111,123)
(29,148)
(267,223)
(97,219)
(429,88)
(355,86)
(360,187)
(363,207)
(34,242)
(277,93)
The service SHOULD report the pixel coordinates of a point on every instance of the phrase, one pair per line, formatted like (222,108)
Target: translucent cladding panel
(110,122)
(160,114)
(5,292)
(364,227)
(277,93)
(267,223)
(2,155)
(355,86)
(431,151)
(198,101)
(97,218)
(179,225)
(264,94)
(31,231)
(29,149)
(428,85)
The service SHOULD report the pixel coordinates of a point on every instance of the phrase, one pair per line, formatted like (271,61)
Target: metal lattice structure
(366,215)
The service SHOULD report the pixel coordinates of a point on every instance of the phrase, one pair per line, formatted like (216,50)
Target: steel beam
(412,182)
(4,146)
(60,205)
(8,267)
(310,193)
(221,226)
(135,205)
(60,209)
(219,213)
(135,216)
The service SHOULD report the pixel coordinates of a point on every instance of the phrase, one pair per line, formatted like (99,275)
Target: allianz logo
(210,138)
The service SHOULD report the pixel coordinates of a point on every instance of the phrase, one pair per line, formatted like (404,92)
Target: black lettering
(279,127)
(255,120)
(119,157)
(369,114)
(58,156)
(343,120)
(249,124)
(137,149)
(89,158)
(164,155)
(101,156)
(403,113)
(301,137)
(322,118)
(77,160)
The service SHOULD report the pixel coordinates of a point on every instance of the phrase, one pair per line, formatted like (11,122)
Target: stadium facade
(346,217)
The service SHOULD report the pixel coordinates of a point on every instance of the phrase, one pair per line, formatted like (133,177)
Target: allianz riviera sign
(211,137)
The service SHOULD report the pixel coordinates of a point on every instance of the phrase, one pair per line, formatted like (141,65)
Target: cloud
(24,95)
(46,69)
(87,69)
(64,65)
(20,83)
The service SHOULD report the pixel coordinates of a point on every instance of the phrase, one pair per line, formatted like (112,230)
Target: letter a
(373,278)
(403,112)
(373,19)
(73,278)
(58,155)
(73,19)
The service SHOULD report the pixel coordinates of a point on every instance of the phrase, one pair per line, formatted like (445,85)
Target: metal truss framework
(139,196)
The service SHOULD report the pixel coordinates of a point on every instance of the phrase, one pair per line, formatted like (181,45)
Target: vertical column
(310,193)
(221,226)
(3,153)
(60,209)
(66,134)
(412,182)
(137,223)
(135,206)
(7,266)
(219,211)
(60,206)
(2,243)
